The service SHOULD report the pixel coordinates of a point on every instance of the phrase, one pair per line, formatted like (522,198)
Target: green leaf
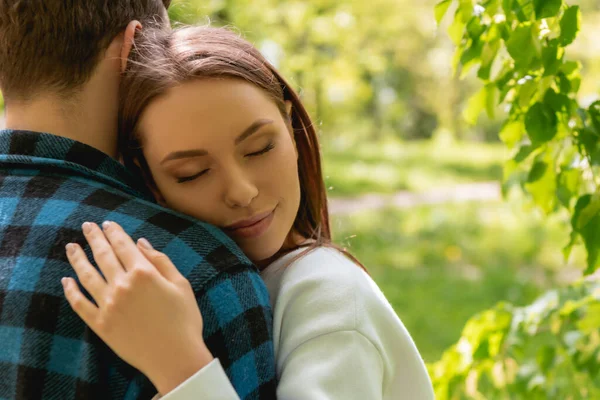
(475,106)
(505,76)
(512,132)
(524,153)
(546,8)
(552,56)
(507,7)
(570,25)
(570,67)
(582,203)
(488,54)
(564,84)
(472,54)
(491,7)
(586,221)
(537,172)
(465,10)
(557,101)
(523,46)
(588,213)
(475,29)
(527,91)
(569,247)
(492,100)
(591,322)
(440,10)
(569,183)
(542,186)
(588,138)
(545,358)
(541,123)
(575,85)
(456,31)
(594,113)
(523,9)
(483,350)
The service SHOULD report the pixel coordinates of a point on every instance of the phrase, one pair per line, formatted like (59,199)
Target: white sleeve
(338,365)
(337,337)
(210,383)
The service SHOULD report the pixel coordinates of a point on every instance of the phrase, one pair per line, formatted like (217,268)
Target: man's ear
(128,39)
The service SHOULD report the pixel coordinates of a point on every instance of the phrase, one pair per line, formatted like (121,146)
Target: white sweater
(335,335)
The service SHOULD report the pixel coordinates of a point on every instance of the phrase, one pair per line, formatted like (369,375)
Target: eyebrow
(252,129)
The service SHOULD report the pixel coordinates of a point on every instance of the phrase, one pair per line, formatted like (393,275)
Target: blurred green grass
(354,167)
(439,265)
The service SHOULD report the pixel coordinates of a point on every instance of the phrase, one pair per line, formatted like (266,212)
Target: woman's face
(220,150)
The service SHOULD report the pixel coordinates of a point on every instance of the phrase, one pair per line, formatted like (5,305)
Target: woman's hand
(146,310)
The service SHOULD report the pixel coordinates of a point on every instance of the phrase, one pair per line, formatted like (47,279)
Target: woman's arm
(210,383)
(337,365)
(340,365)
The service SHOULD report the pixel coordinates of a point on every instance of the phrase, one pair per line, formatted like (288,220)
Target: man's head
(55,45)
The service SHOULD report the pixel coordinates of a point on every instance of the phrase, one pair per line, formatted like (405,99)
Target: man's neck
(86,123)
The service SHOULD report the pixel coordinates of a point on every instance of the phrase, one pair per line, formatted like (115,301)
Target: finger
(163,264)
(122,244)
(79,303)
(89,277)
(103,252)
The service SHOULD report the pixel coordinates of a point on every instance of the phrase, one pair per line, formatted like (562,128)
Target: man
(60,65)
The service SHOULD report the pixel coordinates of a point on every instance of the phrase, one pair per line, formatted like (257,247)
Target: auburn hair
(161,60)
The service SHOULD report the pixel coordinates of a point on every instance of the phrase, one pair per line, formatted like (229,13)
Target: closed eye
(184,179)
(269,147)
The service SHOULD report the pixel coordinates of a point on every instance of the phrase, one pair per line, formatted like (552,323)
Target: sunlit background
(414,189)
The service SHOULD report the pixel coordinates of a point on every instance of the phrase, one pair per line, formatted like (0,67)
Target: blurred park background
(415,190)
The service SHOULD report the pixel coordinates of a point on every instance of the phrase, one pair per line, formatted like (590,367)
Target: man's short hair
(55,45)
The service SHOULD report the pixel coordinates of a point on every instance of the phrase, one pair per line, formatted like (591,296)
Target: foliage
(518,47)
(547,350)
(550,349)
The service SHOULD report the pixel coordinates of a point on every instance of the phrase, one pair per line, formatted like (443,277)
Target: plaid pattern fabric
(49,186)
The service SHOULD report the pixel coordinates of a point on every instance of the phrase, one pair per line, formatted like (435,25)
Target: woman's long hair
(162,59)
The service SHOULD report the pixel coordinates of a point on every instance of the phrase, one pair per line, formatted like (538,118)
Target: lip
(251,227)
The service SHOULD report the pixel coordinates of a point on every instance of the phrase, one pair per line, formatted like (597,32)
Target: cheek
(187,200)
(190,202)
(286,179)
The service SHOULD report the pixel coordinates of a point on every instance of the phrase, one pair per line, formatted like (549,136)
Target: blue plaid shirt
(49,186)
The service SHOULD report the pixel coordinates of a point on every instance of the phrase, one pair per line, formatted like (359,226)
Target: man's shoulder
(63,202)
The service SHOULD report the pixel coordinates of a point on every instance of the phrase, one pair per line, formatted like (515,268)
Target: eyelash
(184,179)
(269,147)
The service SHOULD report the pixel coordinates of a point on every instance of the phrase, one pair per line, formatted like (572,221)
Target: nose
(240,191)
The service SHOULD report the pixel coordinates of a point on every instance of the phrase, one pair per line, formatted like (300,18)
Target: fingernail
(64,282)
(106,225)
(87,227)
(145,244)
(70,248)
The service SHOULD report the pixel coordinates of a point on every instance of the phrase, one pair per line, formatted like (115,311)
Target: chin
(261,250)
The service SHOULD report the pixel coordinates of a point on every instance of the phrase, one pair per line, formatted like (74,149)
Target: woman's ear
(128,39)
(158,196)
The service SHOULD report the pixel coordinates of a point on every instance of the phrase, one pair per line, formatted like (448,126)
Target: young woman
(218,134)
